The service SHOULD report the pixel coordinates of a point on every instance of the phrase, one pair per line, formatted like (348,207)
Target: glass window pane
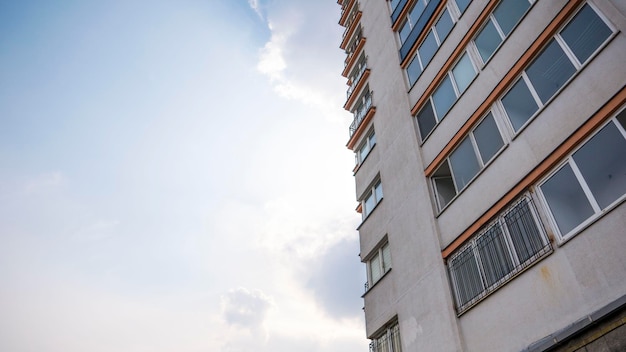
(465,276)
(566,199)
(378,190)
(404,31)
(464,164)
(494,254)
(462,4)
(487,41)
(414,70)
(428,48)
(375,268)
(365,149)
(443,98)
(372,139)
(394,3)
(585,33)
(386,257)
(509,12)
(488,138)
(524,232)
(444,186)
(369,204)
(550,71)
(621,118)
(426,120)
(416,11)
(602,162)
(519,104)
(444,25)
(463,73)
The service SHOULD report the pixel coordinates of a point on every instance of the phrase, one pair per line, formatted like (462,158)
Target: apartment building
(490,147)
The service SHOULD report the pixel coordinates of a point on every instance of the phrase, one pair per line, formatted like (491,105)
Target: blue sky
(174,177)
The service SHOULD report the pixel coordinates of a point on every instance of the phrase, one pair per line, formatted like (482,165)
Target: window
(365,148)
(473,153)
(462,4)
(363,105)
(379,264)
(393,4)
(450,89)
(562,57)
(499,25)
(591,180)
(372,198)
(425,52)
(411,19)
(506,246)
(388,340)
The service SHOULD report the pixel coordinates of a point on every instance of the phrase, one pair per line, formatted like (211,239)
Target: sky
(174,177)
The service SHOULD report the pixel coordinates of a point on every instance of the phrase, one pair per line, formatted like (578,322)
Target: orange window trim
(353,58)
(357,89)
(359,131)
(515,71)
(542,169)
(431,21)
(403,13)
(346,12)
(351,30)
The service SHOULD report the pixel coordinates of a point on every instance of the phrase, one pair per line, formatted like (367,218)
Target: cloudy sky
(174,177)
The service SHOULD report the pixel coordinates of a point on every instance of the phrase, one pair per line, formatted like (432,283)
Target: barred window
(388,341)
(511,243)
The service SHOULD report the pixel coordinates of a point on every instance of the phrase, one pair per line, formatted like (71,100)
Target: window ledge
(370,214)
(376,283)
(562,240)
(558,92)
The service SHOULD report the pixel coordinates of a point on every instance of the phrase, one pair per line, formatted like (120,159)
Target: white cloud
(255,5)
(245,308)
(271,60)
(296,59)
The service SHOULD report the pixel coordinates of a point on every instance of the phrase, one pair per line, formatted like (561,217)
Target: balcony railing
(350,23)
(352,48)
(357,78)
(360,113)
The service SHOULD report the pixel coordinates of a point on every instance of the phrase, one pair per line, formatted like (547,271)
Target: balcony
(360,113)
(354,50)
(350,30)
(347,11)
(358,77)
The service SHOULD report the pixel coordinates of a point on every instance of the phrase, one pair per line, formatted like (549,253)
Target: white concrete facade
(578,274)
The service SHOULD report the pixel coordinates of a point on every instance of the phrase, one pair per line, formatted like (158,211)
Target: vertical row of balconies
(356,70)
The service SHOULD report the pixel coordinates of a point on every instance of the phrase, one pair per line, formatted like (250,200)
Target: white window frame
(569,54)
(407,20)
(370,142)
(482,165)
(371,192)
(517,265)
(503,37)
(598,212)
(388,340)
(383,266)
(453,13)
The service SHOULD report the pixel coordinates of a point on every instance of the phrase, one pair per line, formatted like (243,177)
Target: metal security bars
(389,341)
(508,245)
